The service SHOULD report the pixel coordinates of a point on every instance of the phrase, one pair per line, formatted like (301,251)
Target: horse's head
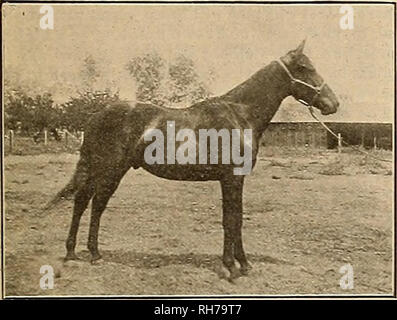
(307,86)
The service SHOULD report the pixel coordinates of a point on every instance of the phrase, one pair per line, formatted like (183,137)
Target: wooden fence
(313,135)
(15,142)
(295,135)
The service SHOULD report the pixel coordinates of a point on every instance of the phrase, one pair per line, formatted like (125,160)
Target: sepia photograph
(212,150)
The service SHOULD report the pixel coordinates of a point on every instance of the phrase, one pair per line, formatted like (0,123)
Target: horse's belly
(187,172)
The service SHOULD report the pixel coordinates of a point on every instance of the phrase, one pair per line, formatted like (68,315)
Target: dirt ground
(306,215)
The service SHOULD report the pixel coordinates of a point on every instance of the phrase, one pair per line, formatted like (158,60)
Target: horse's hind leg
(103,191)
(81,201)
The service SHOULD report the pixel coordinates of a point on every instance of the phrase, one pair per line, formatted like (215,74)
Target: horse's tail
(64,194)
(79,180)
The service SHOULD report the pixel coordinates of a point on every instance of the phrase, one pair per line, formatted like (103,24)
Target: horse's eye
(305,67)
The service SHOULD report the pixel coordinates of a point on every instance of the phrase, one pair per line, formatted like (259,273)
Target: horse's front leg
(232,198)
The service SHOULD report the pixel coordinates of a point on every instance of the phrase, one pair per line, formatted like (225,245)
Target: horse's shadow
(150,260)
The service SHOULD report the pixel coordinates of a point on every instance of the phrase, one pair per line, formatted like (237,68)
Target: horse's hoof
(245,270)
(97,260)
(71,256)
(72,263)
(234,274)
(233,279)
(223,272)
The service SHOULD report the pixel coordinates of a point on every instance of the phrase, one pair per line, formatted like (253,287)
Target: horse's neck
(263,92)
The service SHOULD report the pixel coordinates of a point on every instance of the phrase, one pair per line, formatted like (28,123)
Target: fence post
(11,140)
(81,137)
(339,143)
(314,138)
(375,147)
(362,138)
(45,137)
(66,138)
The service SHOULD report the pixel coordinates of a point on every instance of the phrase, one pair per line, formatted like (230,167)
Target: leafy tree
(44,112)
(17,111)
(166,84)
(77,111)
(29,114)
(89,73)
(185,85)
(148,72)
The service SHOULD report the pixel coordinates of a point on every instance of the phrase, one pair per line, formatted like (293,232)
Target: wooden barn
(293,126)
(312,134)
(295,134)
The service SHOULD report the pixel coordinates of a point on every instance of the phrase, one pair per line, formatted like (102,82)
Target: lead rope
(343,141)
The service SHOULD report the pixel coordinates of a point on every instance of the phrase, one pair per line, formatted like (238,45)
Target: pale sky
(232,40)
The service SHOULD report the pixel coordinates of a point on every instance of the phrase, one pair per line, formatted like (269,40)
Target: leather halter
(294,80)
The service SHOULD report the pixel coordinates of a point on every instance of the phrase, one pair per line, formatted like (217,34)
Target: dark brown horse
(114,142)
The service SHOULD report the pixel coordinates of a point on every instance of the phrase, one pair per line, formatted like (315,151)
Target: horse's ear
(299,50)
